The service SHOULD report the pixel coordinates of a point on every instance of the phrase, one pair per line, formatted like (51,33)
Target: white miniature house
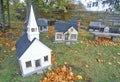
(66,32)
(33,55)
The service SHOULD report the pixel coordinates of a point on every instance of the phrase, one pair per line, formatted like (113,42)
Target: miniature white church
(33,55)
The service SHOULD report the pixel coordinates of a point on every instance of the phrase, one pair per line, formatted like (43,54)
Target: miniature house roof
(73,21)
(32,21)
(42,22)
(63,27)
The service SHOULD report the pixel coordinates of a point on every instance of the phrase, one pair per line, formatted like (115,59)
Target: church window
(33,29)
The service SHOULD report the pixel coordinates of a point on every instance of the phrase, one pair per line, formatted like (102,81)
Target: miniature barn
(66,32)
(33,55)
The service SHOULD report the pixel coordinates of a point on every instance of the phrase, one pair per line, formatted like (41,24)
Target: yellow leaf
(49,68)
(86,66)
(79,76)
(13,48)
(65,63)
(71,73)
(109,63)
(118,54)
(118,62)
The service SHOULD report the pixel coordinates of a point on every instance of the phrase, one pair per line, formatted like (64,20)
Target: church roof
(23,44)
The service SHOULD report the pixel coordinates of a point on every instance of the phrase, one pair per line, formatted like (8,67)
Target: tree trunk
(8,10)
(2,17)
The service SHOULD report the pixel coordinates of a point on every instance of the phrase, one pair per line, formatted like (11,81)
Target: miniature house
(33,55)
(42,24)
(66,32)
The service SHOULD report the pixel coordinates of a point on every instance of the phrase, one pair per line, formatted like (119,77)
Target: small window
(89,5)
(95,4)
(33,29)
(37,63)
(28,64)
(71,30)
(59,36)
(73,36)
(45,58)
(45,27)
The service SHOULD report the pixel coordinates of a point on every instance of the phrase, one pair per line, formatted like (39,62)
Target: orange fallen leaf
(86,78)
(61,74)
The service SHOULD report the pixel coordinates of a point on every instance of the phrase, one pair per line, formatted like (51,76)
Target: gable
(72,30)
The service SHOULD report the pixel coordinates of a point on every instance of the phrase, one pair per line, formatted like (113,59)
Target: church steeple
(32,28)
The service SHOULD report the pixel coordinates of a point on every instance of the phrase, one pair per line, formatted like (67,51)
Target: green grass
(76,55)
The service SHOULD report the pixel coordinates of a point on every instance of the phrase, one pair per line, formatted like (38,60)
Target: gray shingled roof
(42,22)
(22,44)
(63,26)
(73,21)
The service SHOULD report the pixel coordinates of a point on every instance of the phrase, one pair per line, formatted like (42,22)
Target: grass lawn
(98,63)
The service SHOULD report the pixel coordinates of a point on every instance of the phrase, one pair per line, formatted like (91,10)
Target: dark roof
(63,26)
(42,22)
(22,44)
(73,21)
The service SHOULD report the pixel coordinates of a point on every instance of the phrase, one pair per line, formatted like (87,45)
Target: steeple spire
(32,28)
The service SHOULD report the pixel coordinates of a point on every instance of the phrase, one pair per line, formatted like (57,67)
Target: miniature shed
(33,55)
(95,25)
(66,32)
(42,24)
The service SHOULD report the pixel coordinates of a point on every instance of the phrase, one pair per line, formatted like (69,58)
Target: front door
(66,36)
(41,28)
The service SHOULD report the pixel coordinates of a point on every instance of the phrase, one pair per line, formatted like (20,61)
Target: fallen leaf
(118,62)
(61,74)
(100,60)
(118,54)
(49,68)
(65,63)
(13,48)
(86,78)
(109,63)
(79,76)
(86,66)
